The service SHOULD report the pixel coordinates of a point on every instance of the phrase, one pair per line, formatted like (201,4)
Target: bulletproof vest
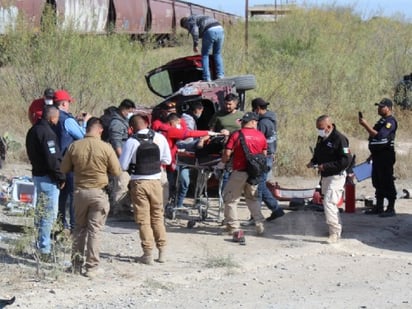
(147,155)
(65,139)
(375,144)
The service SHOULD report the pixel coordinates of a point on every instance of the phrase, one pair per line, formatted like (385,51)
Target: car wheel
(244,82)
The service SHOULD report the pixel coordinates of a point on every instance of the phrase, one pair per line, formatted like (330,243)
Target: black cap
(259,102)
(385,102)
(249,117)
(49,93)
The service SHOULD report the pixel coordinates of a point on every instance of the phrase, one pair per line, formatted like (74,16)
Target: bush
(312,62)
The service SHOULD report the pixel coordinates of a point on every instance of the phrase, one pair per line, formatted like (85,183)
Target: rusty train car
(134,17)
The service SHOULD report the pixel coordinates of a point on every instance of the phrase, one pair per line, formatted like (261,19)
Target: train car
(30,11)
(134,17)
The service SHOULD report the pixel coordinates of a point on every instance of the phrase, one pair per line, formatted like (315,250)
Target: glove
(211,133)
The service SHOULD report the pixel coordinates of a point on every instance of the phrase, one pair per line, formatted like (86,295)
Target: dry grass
(312,62)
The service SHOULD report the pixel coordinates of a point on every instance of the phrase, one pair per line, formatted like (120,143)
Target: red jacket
(162,127)
(174,134)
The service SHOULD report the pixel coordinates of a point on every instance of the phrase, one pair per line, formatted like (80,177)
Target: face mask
(129,115)
(178,126)
(48,101)
(321,133)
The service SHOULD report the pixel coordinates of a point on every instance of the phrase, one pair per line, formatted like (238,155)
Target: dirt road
(291,266)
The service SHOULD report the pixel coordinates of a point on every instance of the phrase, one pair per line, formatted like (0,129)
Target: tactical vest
(380,144)
(65,139)
(147,159)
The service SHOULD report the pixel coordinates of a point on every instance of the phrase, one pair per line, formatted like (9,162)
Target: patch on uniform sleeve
(388,125)
(346,150)
(52,146)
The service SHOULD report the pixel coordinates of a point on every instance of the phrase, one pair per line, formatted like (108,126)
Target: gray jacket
(198,24)
(118,130)
(267,125)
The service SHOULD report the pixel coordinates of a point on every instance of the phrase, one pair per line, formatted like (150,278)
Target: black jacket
(44,152)
(333,153)
(267,125)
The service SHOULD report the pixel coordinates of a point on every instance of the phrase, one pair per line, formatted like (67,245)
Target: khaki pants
(231,194)
(147,202)
(91,207)
(332,190)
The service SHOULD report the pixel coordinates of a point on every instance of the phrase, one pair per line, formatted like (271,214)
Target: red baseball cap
(62,95)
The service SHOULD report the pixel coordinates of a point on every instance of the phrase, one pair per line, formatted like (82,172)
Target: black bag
(256,163)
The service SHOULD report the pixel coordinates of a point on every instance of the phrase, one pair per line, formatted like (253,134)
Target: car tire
(244,82)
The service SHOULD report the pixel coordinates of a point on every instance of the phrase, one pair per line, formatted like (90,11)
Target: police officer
(332,157)
(381,146)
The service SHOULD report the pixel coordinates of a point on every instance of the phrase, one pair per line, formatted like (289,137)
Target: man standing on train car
(212,34)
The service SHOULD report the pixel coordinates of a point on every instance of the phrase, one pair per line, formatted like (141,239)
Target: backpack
(147,157)
(256,164)
(106,118)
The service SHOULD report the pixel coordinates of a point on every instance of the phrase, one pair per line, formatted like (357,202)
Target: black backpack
(147,155)
(106,119)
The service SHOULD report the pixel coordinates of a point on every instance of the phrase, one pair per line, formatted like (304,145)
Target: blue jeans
(263,192)
(213,39)
(66,197)
(184,182)
(46,210)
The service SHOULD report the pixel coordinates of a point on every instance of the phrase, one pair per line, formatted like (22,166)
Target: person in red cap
(36,107)
(68,130)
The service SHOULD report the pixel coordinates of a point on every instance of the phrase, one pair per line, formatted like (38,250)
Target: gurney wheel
(203,214)
(170,213)
(191,224)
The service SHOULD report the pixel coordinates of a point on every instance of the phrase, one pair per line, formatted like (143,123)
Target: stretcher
(203,168)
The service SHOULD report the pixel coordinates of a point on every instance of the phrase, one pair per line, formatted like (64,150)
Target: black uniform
(44,152)
(333,153)
(383,158)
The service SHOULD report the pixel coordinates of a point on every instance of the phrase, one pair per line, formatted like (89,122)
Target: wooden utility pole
(246,26)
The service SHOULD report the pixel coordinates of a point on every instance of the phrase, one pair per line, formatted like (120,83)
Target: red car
(180,81)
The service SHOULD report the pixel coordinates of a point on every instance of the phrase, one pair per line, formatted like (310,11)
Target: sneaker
(238,236)
(333,238)
(249,222)
(275,214)
(387,213)
(259,228)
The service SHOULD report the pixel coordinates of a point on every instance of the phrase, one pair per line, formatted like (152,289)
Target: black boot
(390,210)
(376,209)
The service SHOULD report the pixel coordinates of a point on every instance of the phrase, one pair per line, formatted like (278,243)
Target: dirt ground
(291,266)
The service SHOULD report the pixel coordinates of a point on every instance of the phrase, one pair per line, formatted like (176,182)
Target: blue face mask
(129,115)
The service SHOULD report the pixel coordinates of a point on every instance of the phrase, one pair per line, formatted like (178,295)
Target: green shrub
(312,62)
